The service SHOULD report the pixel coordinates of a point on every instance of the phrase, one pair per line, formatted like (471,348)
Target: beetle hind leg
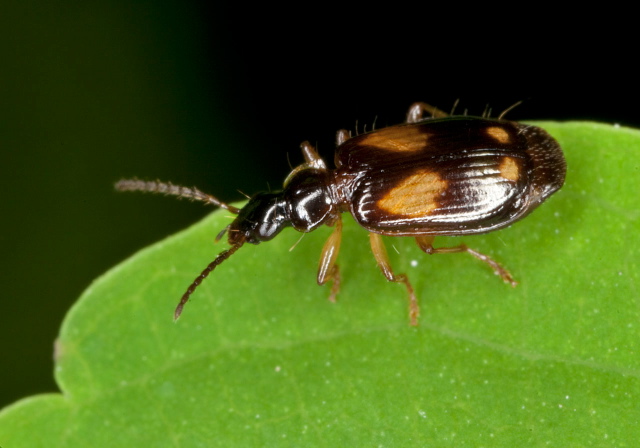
(426,244)
(380,253)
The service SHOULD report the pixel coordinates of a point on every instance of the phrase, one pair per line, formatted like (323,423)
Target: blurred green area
(91,93)
(202,94)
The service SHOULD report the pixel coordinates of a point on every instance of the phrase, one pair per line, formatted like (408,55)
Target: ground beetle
(439,175)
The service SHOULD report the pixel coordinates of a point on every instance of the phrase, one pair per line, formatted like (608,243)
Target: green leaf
(261,358)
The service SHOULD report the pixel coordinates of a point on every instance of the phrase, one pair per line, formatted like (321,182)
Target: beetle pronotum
(440,175)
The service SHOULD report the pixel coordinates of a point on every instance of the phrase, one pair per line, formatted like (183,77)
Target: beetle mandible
(433,175)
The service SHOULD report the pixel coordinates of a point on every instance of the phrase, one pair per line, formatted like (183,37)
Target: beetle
(432,175)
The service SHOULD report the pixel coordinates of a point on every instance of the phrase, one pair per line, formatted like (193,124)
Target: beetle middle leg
(380,253)
(426,244)
(327,268)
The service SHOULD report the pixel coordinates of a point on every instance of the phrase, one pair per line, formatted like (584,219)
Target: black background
(220,96)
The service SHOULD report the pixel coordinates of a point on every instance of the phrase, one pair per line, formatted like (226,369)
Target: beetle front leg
(312,157)
(380,253)
(417,112)
(327,268)
(426,244)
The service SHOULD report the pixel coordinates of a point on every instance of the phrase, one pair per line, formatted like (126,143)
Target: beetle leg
(327,268)
(417,111)
(426,244)
(342,136)
(311,156)
(380,253)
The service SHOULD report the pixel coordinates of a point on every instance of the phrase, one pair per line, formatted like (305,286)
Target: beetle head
(261,219)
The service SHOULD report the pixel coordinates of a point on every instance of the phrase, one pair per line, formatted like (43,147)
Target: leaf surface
(261,358)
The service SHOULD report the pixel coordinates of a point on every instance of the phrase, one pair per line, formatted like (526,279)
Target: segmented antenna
(219,259)
(168,189)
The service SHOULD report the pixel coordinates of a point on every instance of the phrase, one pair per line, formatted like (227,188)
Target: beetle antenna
(509,109)
(219,259)
(168,189)
(374,123)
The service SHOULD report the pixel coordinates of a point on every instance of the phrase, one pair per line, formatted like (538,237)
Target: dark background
(218,96)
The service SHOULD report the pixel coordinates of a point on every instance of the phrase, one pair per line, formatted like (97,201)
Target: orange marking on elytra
(509,169)
(418,194)
(397,138)
(499,134)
